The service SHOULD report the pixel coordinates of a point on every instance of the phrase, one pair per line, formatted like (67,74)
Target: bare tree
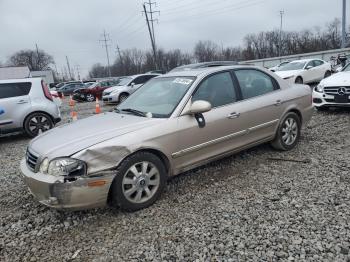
(98,71)
(36,61)
(206,51)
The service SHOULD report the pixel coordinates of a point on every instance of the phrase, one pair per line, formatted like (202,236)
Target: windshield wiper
(133,111)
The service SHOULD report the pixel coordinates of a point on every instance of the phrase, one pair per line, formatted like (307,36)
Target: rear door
(311,74)
(320,69)
(260,107)
(15,104)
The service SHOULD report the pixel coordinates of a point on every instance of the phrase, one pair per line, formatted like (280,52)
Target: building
(46,75)
(15,72)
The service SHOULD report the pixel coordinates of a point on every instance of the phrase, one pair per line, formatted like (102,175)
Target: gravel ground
(244,207)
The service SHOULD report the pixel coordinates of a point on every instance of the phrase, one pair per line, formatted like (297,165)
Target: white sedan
(333,91)
(305,71)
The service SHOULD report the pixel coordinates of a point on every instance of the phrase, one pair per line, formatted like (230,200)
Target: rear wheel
(299,80)
(37,123)
(288,132)
(90,97)
(139,182)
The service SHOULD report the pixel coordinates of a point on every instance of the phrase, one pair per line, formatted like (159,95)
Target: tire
(321,108)
(289,128)
(122,97)
(90,97)
(37,123)
(131,184)
(327,74)
(299,80)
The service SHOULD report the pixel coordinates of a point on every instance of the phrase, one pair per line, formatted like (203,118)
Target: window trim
(15,83)
(276,86)
(216,73)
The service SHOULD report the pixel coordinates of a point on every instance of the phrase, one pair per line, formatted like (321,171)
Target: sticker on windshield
(183,81)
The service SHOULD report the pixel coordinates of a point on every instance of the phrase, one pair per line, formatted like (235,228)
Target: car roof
(22,80)
(207,70)
(204,65)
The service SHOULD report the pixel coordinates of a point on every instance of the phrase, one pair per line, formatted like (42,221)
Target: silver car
(173,123)
(28,106)
(126,86)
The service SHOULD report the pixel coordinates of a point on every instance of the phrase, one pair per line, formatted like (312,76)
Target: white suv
(27,105)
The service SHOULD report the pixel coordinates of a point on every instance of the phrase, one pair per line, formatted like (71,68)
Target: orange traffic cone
(71,101)
(74,115)
(97,107)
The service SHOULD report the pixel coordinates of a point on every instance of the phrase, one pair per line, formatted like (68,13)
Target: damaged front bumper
(78,193)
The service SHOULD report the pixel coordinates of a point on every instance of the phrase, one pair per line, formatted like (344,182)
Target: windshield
(158,97)
(93,85)
(292,66)
(124,81)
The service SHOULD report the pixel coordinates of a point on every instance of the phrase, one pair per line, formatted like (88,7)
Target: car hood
(285,74)
(114,88)
(338,79)
(71,138)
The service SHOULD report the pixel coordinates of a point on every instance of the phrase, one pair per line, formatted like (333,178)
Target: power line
(222,10)
(105,41)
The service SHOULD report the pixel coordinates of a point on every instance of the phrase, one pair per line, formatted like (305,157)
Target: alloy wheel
(141,182)
(39,124)
(90,97)
(289,131)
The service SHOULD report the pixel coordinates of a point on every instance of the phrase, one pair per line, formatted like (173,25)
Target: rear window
(14,89)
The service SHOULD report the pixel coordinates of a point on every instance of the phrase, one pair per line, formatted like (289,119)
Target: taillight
(46,90)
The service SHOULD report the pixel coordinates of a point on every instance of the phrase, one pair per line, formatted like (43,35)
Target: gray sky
(73,27)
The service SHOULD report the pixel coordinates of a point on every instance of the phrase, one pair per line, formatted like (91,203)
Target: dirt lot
(244,207)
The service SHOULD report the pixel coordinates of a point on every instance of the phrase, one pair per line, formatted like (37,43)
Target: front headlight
(64,166)
(319,88)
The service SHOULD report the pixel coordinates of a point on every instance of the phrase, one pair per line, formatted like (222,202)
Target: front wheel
(288,132)
(37,123)
(139,182)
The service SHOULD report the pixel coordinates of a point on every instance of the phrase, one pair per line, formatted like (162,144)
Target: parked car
(28,106)
(95,90)
(203,65)
(277,67)
(171,124)
(333,91)
(68,89)
(305,71)
(125,87)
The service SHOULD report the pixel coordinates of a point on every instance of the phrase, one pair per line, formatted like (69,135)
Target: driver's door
(311,73)
(197,144)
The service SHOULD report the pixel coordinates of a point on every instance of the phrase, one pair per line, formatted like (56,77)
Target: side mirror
(198,107)
(309,67)
(132,84)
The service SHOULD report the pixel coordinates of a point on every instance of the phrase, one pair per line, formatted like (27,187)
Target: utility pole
(69,71)
(280,38)
(151,12)
(105,41)
(119,54)
(77,68)
(343,37)
(37,57)
(151,33)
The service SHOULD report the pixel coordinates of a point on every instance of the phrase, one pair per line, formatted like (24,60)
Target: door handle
(233,115)
(278,103)
(22,101)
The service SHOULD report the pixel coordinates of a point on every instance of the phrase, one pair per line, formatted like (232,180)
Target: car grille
(31,160)
(333,90)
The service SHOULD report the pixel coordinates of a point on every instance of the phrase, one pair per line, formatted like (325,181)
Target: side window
(254,83)
(14,89)
(217,89)
(139,80)
(318,62)
(311,63)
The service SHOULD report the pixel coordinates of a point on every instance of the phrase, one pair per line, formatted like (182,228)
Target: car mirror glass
(309,67)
